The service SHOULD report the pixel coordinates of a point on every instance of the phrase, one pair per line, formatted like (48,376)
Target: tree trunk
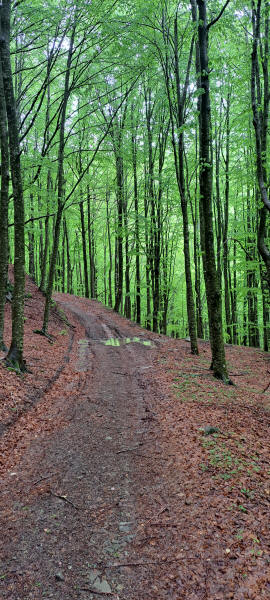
(31,242)
(196,254)
(260,108)
(110,248)
(178,96)
(15,355)
(213,292)
(69,271)
(127,307)
(147,259)
(60,188)
(3,208)
(252,304)
(137,240)
(226,264)
(86,284)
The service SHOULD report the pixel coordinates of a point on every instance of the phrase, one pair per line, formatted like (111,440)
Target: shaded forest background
(142,145)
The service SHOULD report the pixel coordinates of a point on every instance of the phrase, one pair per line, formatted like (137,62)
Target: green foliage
(118,62)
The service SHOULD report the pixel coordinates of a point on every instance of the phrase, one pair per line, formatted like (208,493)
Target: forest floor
(111,484)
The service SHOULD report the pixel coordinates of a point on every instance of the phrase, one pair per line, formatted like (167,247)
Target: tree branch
(218,17)
(32,219)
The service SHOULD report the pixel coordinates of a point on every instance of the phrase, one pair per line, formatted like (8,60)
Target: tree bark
(136,207)
(86,284)
(226,264)
(60,187)
(213,292)
(15,354)
(3,208)
(177,118)
(260,109)
(127,306)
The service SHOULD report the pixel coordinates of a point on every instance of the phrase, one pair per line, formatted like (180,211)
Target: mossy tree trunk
(260,98)
(15,355)
(3,208)
(213,291)
(226,259)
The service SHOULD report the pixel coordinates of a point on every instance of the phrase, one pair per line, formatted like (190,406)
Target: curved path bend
(72,529)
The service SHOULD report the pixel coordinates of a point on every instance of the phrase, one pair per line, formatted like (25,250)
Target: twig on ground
(63,498)
(159,524)
(129,449)
(43,478)
(146,564)
(119,373)
(92,591)
(239,374)
(162,510)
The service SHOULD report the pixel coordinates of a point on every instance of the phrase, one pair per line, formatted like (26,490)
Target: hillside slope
(113,483)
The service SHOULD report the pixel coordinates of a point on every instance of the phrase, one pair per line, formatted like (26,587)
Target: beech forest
(135,164)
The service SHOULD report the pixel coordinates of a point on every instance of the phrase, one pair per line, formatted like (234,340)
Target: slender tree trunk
(136,207)
(196,253)
(177,122)
(110,248)
(15,355)
(266,310)
(147,259)
(252,304)
(91,245)
(119,275)
(233,288)
(60,188)
(226,265)
(45,255)
(105,264)
(31,242)
(86,284)
(153,256)
(218,199)
(119,236)
(3,208)
(69,271)
(127,308)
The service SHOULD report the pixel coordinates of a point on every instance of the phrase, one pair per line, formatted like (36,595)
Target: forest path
(74,495)
(110,485)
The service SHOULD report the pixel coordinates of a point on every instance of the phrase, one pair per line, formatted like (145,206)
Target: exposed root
(46,335)
(15,365)
(3,347)
(224,378)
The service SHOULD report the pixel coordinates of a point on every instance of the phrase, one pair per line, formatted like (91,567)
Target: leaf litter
(199,471)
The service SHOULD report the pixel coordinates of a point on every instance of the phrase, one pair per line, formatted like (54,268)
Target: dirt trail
(110,486)
(81,516)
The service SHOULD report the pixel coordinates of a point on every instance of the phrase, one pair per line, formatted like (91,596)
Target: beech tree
(213,291)
(260,98)
(15,354)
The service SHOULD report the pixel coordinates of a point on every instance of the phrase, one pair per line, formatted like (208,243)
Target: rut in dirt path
(110,486)
(73,512)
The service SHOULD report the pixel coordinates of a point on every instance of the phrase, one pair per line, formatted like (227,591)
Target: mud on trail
(110,484)
(70,499)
